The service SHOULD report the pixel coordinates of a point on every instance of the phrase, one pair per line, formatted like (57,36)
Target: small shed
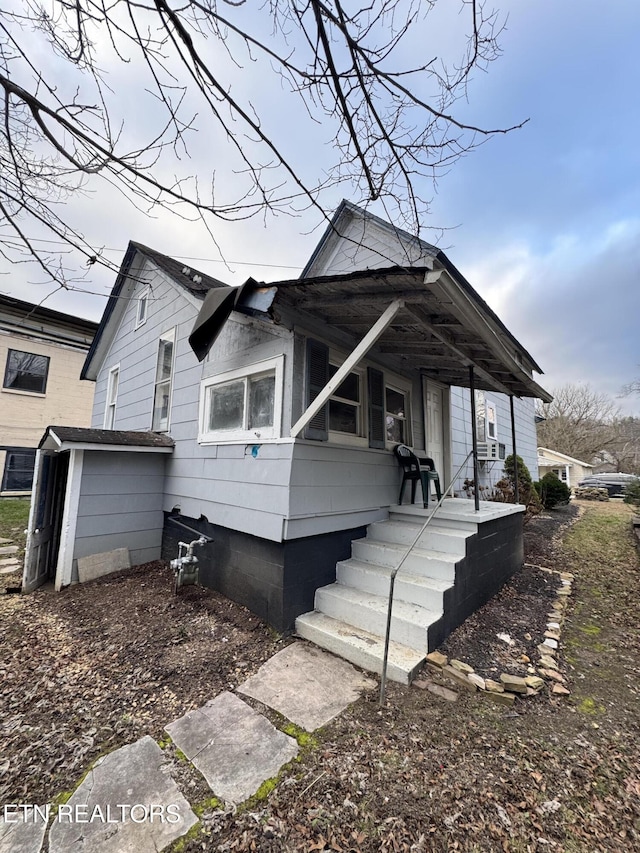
(95,492)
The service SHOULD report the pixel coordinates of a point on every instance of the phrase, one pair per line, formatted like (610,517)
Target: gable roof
(563,456)
(25,318)
(193,282)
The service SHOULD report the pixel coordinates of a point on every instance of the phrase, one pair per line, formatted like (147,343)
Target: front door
(45,519)
(434,414)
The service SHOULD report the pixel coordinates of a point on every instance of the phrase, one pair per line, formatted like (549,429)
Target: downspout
(474,440)
(515,452)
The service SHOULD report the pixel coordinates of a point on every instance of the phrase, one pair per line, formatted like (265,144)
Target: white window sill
(21,393)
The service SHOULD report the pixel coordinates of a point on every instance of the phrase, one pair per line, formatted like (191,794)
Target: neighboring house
(265,418)
(566,468)
(41,356)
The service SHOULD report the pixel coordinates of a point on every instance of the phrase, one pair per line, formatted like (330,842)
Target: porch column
(515,452)
(474,440)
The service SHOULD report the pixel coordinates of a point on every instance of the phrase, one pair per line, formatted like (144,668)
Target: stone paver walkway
(129,803)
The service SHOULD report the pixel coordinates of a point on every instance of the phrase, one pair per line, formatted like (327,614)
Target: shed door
(434,422)
(45,520)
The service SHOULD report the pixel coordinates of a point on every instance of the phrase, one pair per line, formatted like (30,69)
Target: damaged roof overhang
(59,438)
(444,328)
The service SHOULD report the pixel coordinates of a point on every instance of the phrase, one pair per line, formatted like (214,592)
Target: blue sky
(545,220)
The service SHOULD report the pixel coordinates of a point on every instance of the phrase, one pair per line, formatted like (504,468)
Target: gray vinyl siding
(136,351)
(338,487)
(491,472)
(120,505)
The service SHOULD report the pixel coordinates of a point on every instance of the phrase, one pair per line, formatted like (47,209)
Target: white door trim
(447,473)
(69,519)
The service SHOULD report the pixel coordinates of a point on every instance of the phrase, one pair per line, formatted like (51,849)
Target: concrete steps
(362,648)
(350,615)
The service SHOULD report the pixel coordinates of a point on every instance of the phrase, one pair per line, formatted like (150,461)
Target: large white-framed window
(164,376)
(142,308)
(243,404)
(112,397)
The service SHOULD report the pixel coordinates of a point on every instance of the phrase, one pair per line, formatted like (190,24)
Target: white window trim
(108,404)
(489,404)
(402,386)
(238,436)
(143,299)
(169,335)
(360,439)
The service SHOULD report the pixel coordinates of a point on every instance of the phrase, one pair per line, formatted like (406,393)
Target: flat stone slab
(25,835)
(234,747)
(6,550)
(308,686)
(128,803)
(5,541)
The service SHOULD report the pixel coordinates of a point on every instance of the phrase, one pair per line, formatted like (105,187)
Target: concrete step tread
(424,553)
(370,646)
(406,577)
(410,524)
(402,610)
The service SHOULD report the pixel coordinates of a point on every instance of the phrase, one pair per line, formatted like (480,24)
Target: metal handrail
(392,579)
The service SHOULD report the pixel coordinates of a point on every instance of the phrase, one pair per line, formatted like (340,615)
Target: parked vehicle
(615,484)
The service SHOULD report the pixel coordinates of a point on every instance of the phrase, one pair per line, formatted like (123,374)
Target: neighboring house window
(112,397)
(143,305)
(481,416)
(18,469)
(164,371)
(345,405)
(243,404)
(26,371)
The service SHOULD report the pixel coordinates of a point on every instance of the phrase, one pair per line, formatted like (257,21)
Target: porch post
(474,440)
(515,454)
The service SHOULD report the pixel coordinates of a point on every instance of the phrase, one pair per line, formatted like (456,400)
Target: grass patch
(14,517)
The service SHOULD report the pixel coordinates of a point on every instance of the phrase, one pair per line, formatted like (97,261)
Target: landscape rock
(460,678)
(476,679)
(559,690)
(547,662)
(513,683)
(500,698)
(437,658)
(534,682)
(493,686)
(461,666)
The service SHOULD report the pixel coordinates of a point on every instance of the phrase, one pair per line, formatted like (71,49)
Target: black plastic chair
(416,470)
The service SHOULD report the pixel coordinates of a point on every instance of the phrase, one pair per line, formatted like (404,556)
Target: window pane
(161,406)
(395,430)
(26,371)
(343,417)
(165,355)
(262,393)
(226,406)
(350,388)
(18,470)
(395,402)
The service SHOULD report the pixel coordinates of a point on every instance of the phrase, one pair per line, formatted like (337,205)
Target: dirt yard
(102,664)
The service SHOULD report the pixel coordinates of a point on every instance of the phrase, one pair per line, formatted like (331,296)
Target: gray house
(265,417)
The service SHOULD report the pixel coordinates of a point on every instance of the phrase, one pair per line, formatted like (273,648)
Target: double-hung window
(164,374)
(492,421)
(26,371)
(243,404)
(396,408)
(112,397)
(345,404)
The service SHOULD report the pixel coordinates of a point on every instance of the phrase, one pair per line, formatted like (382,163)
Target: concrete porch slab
(461,509)
(234,747)
(122,806)
(308,686)
(23,836)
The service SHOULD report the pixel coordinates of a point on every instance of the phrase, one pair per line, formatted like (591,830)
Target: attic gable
(189,283)
(358,240)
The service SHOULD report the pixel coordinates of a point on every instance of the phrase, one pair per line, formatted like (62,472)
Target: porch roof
(443,328)
(82,438)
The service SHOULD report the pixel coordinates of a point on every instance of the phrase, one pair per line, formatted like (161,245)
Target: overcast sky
(545,221)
